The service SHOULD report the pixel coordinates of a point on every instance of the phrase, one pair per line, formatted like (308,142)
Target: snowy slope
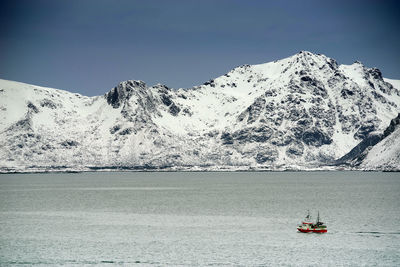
(42,125)
(299,112)
(385,155)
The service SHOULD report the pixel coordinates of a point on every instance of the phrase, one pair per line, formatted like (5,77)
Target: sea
(199,219)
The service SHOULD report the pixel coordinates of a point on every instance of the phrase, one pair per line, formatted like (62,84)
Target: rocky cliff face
(305,111)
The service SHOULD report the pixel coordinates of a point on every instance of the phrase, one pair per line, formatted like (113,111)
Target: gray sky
(89,46)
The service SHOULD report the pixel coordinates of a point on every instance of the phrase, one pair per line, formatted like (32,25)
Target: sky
(90,46)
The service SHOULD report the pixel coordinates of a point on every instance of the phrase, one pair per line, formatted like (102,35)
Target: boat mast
(318,217)
(308,217)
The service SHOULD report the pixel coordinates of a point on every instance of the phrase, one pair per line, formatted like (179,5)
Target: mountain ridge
(301,112)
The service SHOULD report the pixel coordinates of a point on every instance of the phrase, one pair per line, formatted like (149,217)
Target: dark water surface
(200,218)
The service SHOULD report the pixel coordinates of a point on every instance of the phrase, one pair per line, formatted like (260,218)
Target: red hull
(312,230)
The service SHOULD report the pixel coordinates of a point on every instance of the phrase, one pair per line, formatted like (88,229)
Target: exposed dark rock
(266,156)
(253,134)
(154,131)
(320,90)
(306,122)
(126,131)
(295,149)
(47,147)
(375,73)
(124,91)
(280,139)
(269,108)
(210,83)
(187,111)
(182,96)
(269,93)
(306,78)
(319,112)
(112,98)
(226,139)
(296,113)
(314,137)
(298,131)
(115,129)
(294,88)
(22,125)
(332,64)
(48,103)
(393,124)
(212,133)
(348,122)
(302,73)
(32,107)
(364,130)
(69,143)
(345,93)
(174,109)
(162,88)
(255,109)
(166,100)
(371,84)
(379,97)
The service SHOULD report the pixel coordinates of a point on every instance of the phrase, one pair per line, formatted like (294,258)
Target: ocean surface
(199,218)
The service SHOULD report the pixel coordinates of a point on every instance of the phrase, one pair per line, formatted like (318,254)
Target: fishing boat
(307,226)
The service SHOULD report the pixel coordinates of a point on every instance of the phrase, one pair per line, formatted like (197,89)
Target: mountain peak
(358,63)
(304,52)
(133,83)
(309,54)
(124,91)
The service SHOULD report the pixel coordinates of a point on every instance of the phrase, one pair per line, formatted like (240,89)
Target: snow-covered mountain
(304,111)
